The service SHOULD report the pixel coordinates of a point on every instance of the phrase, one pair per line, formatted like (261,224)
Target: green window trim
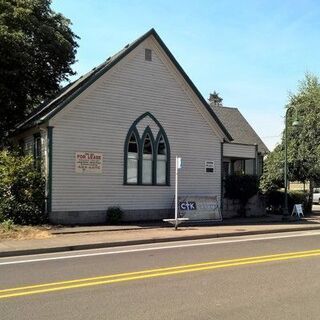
(147,132)
(162,133)
(132,130)
(36,136)
(37,150)
(140,143)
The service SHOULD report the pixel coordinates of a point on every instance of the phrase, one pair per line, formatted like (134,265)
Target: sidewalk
(78,238)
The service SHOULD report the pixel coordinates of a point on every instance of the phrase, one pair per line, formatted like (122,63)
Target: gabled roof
(239,127)
(49,108)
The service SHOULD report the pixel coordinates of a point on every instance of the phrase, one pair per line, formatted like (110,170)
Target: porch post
(232,167)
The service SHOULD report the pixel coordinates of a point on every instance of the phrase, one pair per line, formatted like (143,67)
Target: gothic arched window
(146,159)
(161,164)
(132,159)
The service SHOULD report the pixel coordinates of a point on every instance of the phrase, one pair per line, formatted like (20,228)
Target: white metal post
(176,197)
(176,219)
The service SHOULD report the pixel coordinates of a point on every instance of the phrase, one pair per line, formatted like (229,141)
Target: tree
(37,48)
(273,174)
(304,145)
(303,142)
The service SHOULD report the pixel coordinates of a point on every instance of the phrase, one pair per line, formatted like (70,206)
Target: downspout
(49,174)
(221,176)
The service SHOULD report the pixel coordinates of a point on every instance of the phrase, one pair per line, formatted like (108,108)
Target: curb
(197,223)
(186,224)
(148,241)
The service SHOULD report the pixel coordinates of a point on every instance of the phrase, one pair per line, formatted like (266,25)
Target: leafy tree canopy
(303,141)
(37,48)
(273,177)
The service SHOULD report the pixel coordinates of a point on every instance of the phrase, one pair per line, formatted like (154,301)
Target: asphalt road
(256,277)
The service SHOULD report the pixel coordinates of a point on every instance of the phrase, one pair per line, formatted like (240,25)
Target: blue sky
(252,52)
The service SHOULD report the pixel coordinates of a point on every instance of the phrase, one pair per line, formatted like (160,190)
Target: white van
(316,195)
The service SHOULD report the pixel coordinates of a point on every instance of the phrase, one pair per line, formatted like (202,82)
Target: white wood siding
(28,145)
(99,120)
(239,150)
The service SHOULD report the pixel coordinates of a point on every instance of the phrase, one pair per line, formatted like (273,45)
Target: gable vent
(148,54)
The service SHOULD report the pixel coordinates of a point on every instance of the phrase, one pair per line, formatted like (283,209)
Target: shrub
(22,189)
(275,201)
(242,188)
(7,225)
(302,197)
(114,215)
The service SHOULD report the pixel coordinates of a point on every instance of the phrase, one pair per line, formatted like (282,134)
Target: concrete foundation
(100,216)
(254,208)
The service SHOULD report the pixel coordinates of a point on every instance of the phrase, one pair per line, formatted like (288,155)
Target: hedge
(275,201)
(242,188)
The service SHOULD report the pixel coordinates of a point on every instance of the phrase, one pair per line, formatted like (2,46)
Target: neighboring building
(245,153)
(110,138)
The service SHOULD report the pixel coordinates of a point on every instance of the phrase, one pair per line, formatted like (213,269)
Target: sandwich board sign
(297,210)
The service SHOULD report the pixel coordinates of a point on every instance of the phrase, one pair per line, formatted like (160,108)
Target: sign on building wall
(209,166)
(88,162)
(200,208)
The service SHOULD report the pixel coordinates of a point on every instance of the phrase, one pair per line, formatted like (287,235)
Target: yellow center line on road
(158,270)
(152,273)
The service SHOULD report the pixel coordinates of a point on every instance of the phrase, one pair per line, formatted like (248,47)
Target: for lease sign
(88,162)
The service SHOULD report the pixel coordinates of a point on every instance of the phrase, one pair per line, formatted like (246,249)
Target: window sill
(146,185)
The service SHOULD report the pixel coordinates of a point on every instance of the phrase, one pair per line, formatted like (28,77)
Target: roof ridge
(229,107)
(82,83)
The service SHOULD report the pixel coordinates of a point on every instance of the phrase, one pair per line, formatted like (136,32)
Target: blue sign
(188,205)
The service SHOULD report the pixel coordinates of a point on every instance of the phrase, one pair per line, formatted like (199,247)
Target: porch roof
(239,128)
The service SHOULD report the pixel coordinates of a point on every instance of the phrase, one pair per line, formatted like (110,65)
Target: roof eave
(192,85)
(73,94)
